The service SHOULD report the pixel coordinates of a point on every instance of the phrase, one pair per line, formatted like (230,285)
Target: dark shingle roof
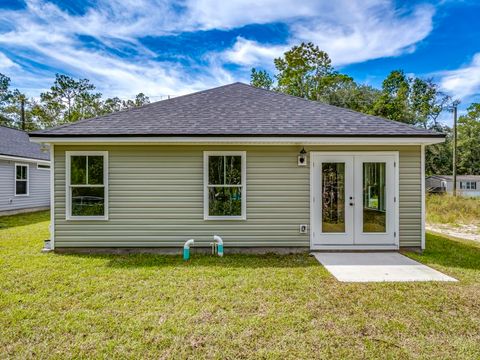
(238,110)
(15,142)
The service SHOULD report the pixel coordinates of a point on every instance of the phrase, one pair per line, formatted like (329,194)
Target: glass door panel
(333,197)
(332,202)
(374,197)
(375,205)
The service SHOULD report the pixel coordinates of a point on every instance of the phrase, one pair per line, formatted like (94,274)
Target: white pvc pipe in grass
(186,249)
(219,242)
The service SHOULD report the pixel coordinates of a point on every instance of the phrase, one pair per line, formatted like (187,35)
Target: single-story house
(24,173)
(467,185)
(263,170)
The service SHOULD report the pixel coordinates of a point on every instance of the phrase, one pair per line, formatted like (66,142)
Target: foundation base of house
(206,250)
(22,211)
(179,250)
(415,249)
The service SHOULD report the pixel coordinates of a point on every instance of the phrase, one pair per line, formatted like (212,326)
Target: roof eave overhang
(23,159)
(243,140)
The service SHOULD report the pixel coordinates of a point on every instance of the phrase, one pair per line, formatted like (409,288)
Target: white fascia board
(24,159)
(243,140)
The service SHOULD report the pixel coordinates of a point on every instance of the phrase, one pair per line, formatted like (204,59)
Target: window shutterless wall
(156,197)
(38,187)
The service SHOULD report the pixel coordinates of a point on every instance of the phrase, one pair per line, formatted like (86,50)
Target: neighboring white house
(467,185)
(24,173)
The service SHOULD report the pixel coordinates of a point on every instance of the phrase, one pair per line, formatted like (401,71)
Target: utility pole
(22,111)
(454,107)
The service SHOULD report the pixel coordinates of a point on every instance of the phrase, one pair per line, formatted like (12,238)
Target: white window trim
(468,185)
(42,168)
(68,193)
(27,181)
(243,154)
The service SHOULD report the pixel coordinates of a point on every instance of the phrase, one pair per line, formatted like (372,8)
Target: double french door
(354,200)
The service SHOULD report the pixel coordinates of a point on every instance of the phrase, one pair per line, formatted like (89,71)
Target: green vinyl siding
(156,197)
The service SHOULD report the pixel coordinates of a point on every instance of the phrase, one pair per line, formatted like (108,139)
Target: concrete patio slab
(377,267)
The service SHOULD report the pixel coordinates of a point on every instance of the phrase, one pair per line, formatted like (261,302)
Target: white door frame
(395,246)
(333,238)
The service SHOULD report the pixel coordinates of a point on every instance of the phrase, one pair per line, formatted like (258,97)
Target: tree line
(307,72)
(66,101)
(304,71)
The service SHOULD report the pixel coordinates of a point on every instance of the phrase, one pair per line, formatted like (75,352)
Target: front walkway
(377,267)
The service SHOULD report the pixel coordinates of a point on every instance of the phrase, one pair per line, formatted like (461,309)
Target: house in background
(264,170)
(24,173)
(467,185)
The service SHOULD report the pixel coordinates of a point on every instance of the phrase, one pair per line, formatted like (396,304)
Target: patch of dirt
(469,232)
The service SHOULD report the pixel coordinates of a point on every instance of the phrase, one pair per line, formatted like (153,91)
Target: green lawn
(147,306)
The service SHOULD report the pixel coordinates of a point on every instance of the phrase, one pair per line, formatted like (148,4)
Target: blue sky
(175,47)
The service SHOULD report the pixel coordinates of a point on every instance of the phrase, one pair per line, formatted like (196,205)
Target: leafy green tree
(5,95)
(87,105)
(439,157)
(393,103)
(140,100)
(410,100)
(13,110)
(111,105)
(427,102)
(305,71)
(468,132)
(116,104)
(11,107)
(348,94)
(261,79)
(68,100)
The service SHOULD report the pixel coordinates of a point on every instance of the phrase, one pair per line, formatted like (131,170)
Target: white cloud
(50,36)
(248,52)
(6,63)
(222,14)
(463,82)
(350,31)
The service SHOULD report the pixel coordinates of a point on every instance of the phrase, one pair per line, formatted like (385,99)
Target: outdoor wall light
(302,158)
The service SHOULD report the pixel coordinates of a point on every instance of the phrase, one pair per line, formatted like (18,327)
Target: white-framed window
(21,180)
(43,166)
(225,190)
(87,185)
(468,185)
(444,185)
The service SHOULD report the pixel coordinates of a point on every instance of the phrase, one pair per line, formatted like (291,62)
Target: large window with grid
(225,185)
(87,185)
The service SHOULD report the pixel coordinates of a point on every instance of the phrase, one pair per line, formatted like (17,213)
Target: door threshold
(354,247)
